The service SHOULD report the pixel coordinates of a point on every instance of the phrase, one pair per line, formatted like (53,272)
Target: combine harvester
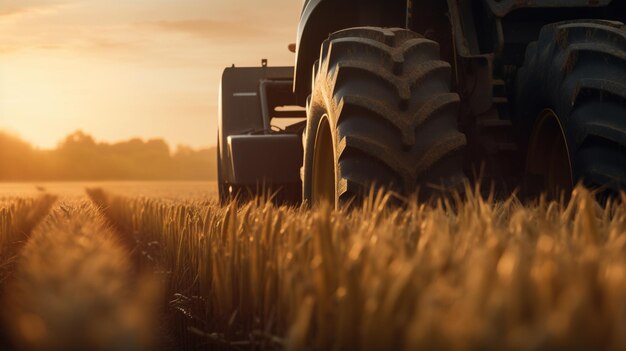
(419,94)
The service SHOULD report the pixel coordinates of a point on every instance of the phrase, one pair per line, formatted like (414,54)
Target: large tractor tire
(381,114)
(570,107)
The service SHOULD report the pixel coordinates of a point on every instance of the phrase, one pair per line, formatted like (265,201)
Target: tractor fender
(320,18)
(502,7)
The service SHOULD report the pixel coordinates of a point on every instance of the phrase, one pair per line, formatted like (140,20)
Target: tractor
(418,96)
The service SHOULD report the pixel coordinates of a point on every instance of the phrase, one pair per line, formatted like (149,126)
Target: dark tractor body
(413,95)
(252,156)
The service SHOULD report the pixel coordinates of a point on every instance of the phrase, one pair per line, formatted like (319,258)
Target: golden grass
(18,217)
(74,288)
(475,276)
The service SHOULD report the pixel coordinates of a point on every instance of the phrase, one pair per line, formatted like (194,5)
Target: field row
(130,273)
(68,282)
(477,275)
(18,218)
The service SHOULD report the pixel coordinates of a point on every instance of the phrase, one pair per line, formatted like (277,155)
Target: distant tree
(80,157)
(189,162)
(17,158)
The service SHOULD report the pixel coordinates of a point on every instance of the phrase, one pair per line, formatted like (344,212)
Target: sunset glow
(120,69)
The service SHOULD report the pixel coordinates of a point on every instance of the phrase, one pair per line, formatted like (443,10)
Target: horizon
(80,157)
(146,69)
(173,147)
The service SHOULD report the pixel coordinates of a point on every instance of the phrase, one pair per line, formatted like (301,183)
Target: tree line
(80,157)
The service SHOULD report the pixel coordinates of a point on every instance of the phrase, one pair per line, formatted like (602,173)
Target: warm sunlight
(147,68)
(309,175)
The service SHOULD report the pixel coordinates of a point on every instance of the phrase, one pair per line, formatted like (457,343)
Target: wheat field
(120,271)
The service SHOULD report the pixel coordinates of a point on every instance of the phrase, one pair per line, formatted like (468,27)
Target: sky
(119,69)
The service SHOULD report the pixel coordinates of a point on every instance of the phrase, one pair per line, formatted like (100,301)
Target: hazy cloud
(22,7)
(92,39)
(212,29)
(150,65)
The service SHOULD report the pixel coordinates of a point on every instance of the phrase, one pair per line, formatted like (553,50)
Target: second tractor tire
(576,75)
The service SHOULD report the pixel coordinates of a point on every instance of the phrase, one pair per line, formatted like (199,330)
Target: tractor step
(499,88)
(496,135)
(496,154)
(500,98)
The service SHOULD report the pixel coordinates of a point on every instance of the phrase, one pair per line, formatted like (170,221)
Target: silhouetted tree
(80,157)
